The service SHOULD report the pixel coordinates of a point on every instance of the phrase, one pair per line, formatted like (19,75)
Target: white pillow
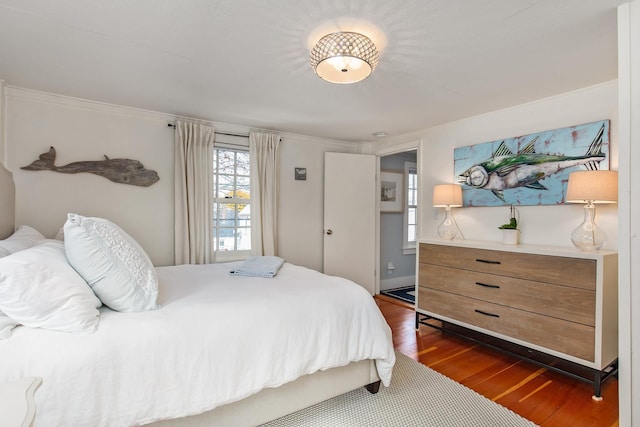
(23,238)
(6,325)
(39,289)
(60,234)
(112,263)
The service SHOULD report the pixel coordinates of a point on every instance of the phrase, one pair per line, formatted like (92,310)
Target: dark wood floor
(545,397)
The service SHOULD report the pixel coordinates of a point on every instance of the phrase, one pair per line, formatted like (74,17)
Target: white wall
(301,202)
(545,225)
(86,130)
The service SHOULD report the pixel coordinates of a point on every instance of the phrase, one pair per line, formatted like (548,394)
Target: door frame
(389,151)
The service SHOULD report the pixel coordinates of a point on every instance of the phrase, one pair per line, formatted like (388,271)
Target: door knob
(329,232)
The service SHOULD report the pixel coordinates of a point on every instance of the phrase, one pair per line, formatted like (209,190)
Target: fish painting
(122,171)
(525,169)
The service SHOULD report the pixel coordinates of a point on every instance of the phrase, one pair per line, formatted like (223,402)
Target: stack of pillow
(50,284)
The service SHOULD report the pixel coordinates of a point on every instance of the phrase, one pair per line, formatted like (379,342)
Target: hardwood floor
(545,397)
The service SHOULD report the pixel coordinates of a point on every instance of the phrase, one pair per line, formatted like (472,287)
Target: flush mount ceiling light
(344,57)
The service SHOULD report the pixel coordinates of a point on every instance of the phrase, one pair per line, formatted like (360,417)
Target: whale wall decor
(531,169)
(122,171)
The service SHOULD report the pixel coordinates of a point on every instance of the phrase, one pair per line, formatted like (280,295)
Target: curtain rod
(171,125)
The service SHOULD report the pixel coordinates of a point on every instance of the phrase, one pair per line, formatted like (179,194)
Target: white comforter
(216,339)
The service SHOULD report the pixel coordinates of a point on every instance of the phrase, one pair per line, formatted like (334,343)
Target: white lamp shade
(447,195)
(598,186)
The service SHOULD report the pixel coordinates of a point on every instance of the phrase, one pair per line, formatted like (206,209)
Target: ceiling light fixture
(344,57)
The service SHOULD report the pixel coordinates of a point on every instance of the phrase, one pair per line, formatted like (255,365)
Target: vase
(510,236)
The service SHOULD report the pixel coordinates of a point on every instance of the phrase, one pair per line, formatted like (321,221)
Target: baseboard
(397,282)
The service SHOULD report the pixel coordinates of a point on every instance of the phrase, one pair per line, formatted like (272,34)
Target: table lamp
(447,196)
(591,187)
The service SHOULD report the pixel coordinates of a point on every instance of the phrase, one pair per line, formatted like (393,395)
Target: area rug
(407,294)
(418,397)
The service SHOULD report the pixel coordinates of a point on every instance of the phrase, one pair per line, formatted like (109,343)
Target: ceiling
(246,62)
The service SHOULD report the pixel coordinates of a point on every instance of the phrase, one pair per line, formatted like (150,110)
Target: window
(231,204)
(411,208)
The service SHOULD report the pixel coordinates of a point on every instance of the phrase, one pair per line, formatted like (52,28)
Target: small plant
(513,220)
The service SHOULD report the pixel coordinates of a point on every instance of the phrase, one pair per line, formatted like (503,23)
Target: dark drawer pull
(487,314)
(486,285)
(487,261)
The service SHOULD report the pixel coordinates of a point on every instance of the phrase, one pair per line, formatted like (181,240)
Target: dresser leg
(597,387)
(420,320)
(602,376)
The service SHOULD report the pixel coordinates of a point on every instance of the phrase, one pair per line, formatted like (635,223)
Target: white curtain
(193,193)
(263,152)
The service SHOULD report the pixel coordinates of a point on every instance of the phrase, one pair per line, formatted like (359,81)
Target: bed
(218,350)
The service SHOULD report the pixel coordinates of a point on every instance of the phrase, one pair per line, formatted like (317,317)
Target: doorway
(398,225)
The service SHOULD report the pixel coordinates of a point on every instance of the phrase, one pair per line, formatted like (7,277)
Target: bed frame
(262,407)
(273,403)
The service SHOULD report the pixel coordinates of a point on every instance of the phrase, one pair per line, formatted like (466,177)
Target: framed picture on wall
(391,191)
(532,169)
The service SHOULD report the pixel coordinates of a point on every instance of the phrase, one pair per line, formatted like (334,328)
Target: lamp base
(448,229)
(588,236)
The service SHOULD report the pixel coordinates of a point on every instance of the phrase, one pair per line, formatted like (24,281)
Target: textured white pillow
(112,263)
(39,289)
(23,238)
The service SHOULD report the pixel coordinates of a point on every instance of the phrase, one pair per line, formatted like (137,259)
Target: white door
(350,217)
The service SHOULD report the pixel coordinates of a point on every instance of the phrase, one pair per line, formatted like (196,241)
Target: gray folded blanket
(259,266)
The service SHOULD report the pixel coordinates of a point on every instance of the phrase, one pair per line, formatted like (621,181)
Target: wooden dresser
(558,301)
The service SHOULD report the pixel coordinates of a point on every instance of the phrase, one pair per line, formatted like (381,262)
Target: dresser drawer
(562,302)
(567,337)
(575,272)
